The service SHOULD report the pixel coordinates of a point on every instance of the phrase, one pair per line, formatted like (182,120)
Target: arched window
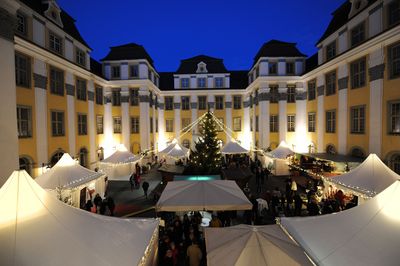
(83,157)
(25,164)
(330,149)
(357,152)
(186,143)
(394,162)
(54,159)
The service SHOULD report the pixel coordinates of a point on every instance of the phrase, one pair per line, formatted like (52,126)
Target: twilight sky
(172,30)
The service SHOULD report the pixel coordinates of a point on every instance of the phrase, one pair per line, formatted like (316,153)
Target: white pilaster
(124,72)
(69,80)
(282,112)
(253,120)
(154,122)
(144,118)
(375,24)
(246,137)
(177,115)
(108,124)
(228,114)
(342,109)
(91,124)
(193,106)
(320,114)
(38,32)
(264,114)
(161,124)
(125,118)
(263,67)
(301,119)
(281,67)
(143,70)
(211,101)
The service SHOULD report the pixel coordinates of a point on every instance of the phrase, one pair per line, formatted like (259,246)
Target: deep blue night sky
(172,30)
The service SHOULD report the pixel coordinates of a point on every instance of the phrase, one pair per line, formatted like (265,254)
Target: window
(151,124)
(169,125)
(201,82)
(169,103)
(117,124)
(184,82)
(56,81)
(237,102)
(82,124)
(99,124)
(21,24)
(311,90)
(394,13)
(219,82)
(357,34)
(291,120)
(185,102)
(202,102)
(22,70)
(56,157)
(330,81)
(55,43)
(237,123)
(219,102)
(394,61)
(357,120)
(83,157)
(331,50)
(273,68)
(289,68)
(311,122)
(24,120)
(273,123)
(274,94)
(256,123)
(57,123)
(99,95)
(134,97)
(81,89)
(80,57)
(134,71)
(394,117)
(330,121)
(134,125)
(25,164)
(291,94)
(185,122)
(358,73)
(115,72)
(394,163)
(116,97)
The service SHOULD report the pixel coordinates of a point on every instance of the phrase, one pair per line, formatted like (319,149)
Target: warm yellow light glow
(66,160)
(121,147)
(388,202)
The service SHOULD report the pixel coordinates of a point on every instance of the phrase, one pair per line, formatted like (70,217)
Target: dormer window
(331,50)
(201,68)
(21,24)
(358,34)
(115,72)
(53,12)
(394,12)
(80,57)
(55,43)
(273,68)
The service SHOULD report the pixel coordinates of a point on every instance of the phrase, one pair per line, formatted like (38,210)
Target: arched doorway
(26,164)
(135,148)
(394,162)
(83,157)
(56,156)
(357,152)
(330,149)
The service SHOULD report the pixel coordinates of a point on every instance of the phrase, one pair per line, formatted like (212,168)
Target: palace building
(55,98)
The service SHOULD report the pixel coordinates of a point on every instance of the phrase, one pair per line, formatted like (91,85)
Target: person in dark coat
(103,206)
(145,187)
(88,205)
(132,181)
(97,201)
(111,205)
(298,203)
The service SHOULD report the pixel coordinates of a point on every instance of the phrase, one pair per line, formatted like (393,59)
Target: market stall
(174,152)
(71,182)
(120,165)
(37,229)
(252,245)
(277,160)
(212,195)
(368,234)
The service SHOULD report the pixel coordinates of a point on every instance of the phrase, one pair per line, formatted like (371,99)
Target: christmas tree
(206,158)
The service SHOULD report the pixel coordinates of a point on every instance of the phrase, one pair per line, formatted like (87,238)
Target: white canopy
(37,229)
(212,195)
(66,173)
(175,150)
(369,178)
(121,156)
(232,147)
(282,151)
(252,245)
(368,234)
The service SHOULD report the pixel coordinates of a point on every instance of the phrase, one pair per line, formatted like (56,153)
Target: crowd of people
(104,206)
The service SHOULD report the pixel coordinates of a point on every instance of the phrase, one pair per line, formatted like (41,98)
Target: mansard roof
(275,48)
(127,51)
(96,68)
(213,65)
(68,22)
(311,62)
(339,18)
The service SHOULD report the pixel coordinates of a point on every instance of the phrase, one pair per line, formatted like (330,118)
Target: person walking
(111,205)
(145,187)
(97,202)
(132,181)
(194,254)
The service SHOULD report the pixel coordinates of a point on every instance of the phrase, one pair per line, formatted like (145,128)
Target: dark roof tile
(96,68)
(127,51)
(213,65)
(275,48)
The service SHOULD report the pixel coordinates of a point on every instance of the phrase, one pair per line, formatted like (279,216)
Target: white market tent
(120,165)
(277,159)
(252,245)
(368,234)
(175,150)
(368,179)
(232,147)
(67,177)
(211,195)
(37,229)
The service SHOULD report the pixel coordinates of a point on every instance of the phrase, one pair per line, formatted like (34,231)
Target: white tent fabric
(252,245)
(232,147)
(175,150)
(120,165)
(282,151)
(369,178)
(66,173)
(212,195)
(368,234)
(37,229)
(121,156)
